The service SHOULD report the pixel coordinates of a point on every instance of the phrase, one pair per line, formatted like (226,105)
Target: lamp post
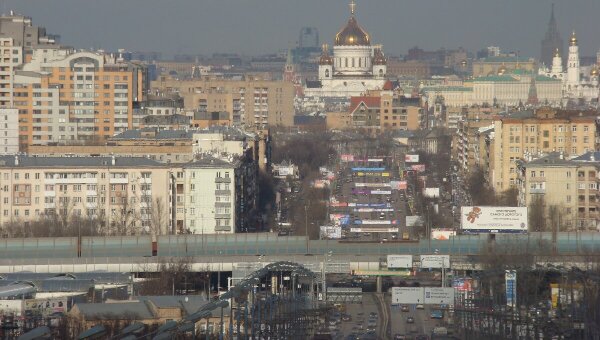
(306,227)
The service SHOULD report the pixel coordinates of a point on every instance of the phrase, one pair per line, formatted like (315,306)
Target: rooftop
(26,161)
(98,311)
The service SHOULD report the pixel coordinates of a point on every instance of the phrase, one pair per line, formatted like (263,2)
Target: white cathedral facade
(574,85)
(355,66)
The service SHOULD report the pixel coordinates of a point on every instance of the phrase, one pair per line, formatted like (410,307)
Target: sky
(253,27)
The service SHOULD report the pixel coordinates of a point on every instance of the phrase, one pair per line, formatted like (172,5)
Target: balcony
(223,180)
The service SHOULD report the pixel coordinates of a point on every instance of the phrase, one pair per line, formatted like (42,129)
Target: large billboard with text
(493,219)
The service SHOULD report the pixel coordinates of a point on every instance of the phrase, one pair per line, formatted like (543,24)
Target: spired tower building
(355,67)
(552,41)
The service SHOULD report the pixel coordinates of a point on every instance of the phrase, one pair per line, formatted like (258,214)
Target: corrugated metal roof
(99,311)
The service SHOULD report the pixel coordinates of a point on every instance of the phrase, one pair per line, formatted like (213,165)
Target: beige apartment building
(569,189)
(545,130)
(65,96)
(253,103)
(128,195)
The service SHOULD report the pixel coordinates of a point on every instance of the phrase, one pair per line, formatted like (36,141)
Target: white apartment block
(9,131)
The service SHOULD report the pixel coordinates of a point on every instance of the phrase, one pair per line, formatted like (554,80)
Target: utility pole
(306,227)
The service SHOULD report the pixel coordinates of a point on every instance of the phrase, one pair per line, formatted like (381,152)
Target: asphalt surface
(394,205)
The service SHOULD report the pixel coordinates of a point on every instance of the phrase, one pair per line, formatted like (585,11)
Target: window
(568,198)
(532,174)
(541,174)
(546,133)
(574,128)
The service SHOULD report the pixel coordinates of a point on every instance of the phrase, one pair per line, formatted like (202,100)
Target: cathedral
(576,84)
(355,67)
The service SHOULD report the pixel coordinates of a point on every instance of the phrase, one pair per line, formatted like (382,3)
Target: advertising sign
(372,209)
(439,295)
(368,169)
(338,204)
(398,185)
(411,158)
(442,234)
(494,219)
(399,261)
(356,191)
(414,221)
(510,277)
(435,261)
(431,192)
(338,219)
(381,192)
(375,160)
(463,284)
(347,158)
(384,222)
(407,295)
(46,307)
(374,230)
(331,232)
(321,183)
(418,167)
(372,185)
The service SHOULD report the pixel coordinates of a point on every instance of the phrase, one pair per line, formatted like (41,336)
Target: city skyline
(201,28)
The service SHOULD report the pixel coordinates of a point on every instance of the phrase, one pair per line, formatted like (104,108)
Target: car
(398,336)
(420,307)
(437,314)
(404,308)
(422,337)
(346,317)
(410,319)
(373,315)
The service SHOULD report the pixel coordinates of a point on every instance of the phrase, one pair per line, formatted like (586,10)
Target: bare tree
(537,215)
(158,217)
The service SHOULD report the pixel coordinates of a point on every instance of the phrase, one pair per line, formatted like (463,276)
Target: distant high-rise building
(309,38)
(551,42)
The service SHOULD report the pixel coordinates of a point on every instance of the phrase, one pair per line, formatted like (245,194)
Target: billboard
(372,185)
(414,221)
(347,158)
(435,261)
(510,278)
(384,222)
(381,192)
(398,185)
(46,307)
(438,295)
(368,169)
(407,295)
(431,192)
(462,284)
(399,261)
(411,158)
(331,232)
(494,219)
(442,234)
(418,167)
(338,219)
(374,230)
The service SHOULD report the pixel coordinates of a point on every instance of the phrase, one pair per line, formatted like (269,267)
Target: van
(405,236)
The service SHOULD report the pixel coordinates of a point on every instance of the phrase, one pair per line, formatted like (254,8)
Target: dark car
(404,308)
(410,319)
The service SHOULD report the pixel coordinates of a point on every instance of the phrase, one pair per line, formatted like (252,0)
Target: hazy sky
(263,26)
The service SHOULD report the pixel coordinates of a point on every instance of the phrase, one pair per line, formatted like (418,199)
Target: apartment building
(65,96)
(131,195)
(541,131)
(127,195)
(569,189)
(384,111)
(24,34)
(251,102)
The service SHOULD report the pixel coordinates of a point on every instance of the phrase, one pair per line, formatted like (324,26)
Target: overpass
(243,252)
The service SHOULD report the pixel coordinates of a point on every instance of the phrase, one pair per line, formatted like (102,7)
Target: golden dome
(352,35)
(325,58)
(378,57)
(463,63)
(594,72)
(573,40)
(502,70)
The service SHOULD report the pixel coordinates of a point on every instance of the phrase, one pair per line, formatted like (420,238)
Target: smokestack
(113,160)
(16,160)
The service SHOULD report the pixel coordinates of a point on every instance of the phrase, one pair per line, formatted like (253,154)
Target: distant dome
(352,35)
(325,58)
(573,40)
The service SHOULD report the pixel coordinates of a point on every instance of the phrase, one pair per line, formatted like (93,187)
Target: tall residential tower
(551,42)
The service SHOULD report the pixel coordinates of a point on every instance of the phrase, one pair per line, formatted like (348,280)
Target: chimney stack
(113,160)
